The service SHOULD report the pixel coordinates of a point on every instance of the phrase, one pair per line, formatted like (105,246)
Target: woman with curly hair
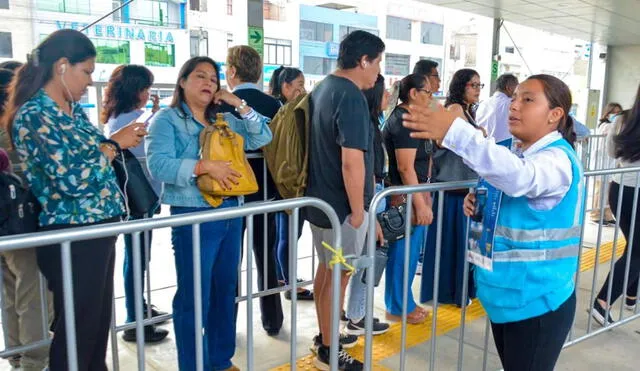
(126,96)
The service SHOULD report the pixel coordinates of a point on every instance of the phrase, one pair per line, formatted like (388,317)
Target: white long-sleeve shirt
(493,116)
(543,175)
(627,179)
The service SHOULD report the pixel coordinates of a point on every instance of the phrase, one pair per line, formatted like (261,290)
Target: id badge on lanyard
(484,220)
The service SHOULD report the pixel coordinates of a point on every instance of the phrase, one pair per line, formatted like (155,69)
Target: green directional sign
(494,70)
(256,39)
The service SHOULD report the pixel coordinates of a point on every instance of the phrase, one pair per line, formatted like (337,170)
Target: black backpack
(19,208)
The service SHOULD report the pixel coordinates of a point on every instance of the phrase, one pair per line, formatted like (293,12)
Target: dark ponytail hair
(274,87)
(282,75)
(38,71)
(413,81)
(178,94)
(374,100)
(559,95)
(626,141)
(123,90)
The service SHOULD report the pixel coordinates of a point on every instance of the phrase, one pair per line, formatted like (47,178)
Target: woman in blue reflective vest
(529,295)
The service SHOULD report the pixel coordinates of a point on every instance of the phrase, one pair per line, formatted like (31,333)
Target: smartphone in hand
(145,117)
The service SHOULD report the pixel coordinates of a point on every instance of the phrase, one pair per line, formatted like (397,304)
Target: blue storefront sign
(121,32)
(332,49)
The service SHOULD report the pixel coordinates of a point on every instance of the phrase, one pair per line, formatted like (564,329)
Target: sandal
(413,318)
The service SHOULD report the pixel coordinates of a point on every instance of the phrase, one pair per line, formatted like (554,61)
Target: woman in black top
(408,165)
(464,93)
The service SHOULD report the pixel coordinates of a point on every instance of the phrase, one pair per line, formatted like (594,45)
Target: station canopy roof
(608,22)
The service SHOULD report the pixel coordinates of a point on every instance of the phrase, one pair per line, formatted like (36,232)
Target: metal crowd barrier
(409,191)
(65,237)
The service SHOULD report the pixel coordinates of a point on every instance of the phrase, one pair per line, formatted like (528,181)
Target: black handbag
(392,221)
(141,199)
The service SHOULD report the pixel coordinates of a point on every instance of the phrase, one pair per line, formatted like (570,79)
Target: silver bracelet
(242,106)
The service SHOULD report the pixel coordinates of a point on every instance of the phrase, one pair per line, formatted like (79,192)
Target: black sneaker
(155,313)
(598,313)
(345,361)
(347,341)
(151,334)
(630,304)
(343,318)
(357,329)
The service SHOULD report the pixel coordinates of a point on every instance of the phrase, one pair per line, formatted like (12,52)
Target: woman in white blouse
(622,144)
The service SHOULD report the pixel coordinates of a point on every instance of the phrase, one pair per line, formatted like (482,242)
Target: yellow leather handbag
(218,142)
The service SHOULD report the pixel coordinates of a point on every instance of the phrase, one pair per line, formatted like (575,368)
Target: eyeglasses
(429,92)
(476,85)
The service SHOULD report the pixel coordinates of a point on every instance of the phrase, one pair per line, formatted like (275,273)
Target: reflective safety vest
(535,253)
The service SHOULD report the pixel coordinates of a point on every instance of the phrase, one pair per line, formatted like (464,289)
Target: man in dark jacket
(244,68)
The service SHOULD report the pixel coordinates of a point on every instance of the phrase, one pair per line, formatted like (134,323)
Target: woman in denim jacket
(173,149)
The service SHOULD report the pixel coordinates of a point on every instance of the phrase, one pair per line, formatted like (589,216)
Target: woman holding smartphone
(126,97)
(529,295)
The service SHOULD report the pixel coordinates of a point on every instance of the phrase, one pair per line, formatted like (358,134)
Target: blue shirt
(580,129)
(173,149)
(62,162)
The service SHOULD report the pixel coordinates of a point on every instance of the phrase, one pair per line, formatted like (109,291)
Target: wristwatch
(242,106)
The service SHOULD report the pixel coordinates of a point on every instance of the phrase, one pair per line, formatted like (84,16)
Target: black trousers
(621,264)
(534,344)
(92,265)
(270,306)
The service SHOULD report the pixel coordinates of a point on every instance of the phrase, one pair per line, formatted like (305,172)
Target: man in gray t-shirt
(341,171)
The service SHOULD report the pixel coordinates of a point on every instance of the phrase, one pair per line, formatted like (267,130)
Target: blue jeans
(220,244)
(282,245)
(127,272)
(356,307)
(395,270)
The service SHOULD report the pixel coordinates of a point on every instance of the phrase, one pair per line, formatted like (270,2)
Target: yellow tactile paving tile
(388,344)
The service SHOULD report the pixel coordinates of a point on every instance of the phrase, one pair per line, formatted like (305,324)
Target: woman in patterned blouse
(67,163)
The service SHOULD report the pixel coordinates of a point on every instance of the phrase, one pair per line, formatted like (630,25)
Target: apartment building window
(198,5)
(274,12)
(398,28)
(117,14)
(345,30)
(65,6)
(153,12)
(199,43)
(4,4)
(159,55)
(431,33)
(229,7)
(316,31)
(6,48)
(229,40)
(396,64)
(277,51)
(112,51)
(318,65)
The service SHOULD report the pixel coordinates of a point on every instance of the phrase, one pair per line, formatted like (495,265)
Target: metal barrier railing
(440,188)
(65,237)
